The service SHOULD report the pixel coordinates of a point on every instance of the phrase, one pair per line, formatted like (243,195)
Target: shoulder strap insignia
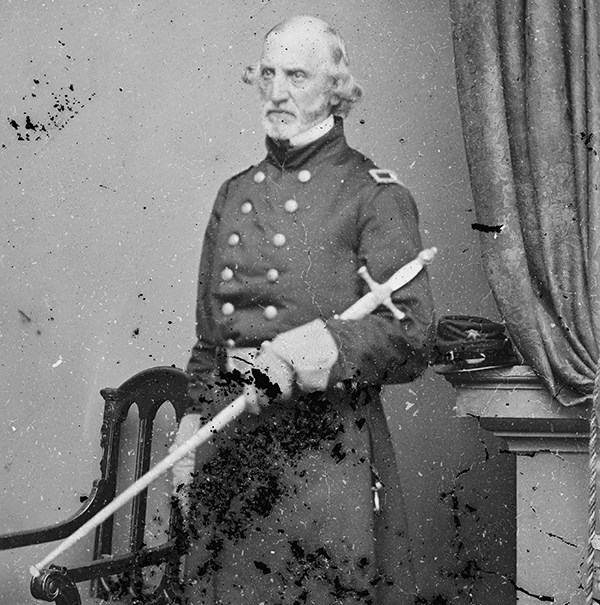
(381,175)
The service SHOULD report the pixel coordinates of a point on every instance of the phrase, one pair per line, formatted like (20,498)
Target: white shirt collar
(313,133)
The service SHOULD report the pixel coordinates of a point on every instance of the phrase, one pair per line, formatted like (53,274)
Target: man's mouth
(281,113)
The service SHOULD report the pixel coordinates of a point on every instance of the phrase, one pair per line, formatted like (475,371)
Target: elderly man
(299,501)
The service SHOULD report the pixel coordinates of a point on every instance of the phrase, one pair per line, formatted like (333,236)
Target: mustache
(270,110)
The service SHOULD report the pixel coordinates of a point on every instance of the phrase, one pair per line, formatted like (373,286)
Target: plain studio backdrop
(118,123)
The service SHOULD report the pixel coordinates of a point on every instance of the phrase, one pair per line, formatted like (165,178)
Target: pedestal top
(513,402)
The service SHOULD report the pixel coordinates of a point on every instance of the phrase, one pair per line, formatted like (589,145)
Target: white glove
(274,378)
(305,354)
(182,470)
(311,351)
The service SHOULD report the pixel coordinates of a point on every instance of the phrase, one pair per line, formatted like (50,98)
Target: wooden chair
(148,390)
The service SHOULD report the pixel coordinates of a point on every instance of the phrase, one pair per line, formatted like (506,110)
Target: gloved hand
(305,354)
(269,378)
(182,470)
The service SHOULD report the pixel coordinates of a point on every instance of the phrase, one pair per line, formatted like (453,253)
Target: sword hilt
(376,287)
(381,294)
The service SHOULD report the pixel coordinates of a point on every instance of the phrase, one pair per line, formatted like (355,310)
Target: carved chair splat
(148,391)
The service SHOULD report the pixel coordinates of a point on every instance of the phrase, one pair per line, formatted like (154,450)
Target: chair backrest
(148,391)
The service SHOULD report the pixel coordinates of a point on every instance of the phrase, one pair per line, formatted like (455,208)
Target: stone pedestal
(550,442)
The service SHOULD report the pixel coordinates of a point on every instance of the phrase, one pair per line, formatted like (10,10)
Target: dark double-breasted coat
(285,507)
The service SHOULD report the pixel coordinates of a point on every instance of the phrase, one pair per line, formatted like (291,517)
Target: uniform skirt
(285,513)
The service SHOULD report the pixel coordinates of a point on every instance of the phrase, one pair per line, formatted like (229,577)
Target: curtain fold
(528,81)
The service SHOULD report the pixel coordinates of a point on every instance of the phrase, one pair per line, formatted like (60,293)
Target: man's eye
(298,76)
(267,73)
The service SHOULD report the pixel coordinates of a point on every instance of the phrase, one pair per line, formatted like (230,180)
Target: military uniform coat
(285,507)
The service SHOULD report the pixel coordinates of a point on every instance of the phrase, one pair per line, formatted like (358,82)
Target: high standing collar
(313,133)
(280,154)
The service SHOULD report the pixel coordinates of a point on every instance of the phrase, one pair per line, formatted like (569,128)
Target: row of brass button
(290,206)
(303,176)
(227,274)
(279,240)
(270,311)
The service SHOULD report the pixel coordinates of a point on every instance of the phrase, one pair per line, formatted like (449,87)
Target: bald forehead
(309,37)
(303,23)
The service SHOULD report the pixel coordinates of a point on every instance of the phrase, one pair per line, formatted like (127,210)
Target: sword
(379,294)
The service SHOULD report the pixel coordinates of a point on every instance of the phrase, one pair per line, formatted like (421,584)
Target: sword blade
(407,273)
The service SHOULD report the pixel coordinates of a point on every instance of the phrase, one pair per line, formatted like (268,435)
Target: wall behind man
(118,123)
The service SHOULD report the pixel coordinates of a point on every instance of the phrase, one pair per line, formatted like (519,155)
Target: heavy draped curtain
(528,78)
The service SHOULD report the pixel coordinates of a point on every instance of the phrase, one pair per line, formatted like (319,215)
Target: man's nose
(279,89)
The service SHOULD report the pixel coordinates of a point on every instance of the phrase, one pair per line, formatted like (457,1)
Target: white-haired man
(299,502)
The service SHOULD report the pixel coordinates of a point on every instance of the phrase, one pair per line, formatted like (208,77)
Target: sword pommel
(426,256)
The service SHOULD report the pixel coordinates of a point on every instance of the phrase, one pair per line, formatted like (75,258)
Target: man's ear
(250,74)
(334,98)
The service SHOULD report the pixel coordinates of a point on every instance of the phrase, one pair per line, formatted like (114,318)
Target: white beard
(280,130)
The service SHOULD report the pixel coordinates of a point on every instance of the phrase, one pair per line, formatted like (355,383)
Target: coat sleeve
(379,348)
(203,366)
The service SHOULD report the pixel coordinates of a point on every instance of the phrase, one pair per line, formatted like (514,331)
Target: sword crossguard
(376,288)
